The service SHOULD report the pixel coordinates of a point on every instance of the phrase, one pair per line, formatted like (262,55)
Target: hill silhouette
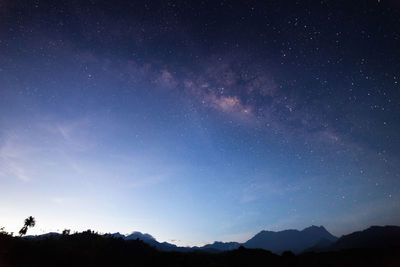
(276,242)
(91,249)
(222,246)
(310,239)
(373,237)
(293,240)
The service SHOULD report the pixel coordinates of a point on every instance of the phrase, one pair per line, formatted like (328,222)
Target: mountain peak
(315,228)
(319,231)
(293,240)
(374,236)
(141,236)
(115,235)
(222,246)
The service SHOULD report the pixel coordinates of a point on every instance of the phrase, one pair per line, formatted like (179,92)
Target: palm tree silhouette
(29,222)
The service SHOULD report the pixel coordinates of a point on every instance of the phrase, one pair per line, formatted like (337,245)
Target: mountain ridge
(310,239)
(313,233)
(291,239)
(372,237)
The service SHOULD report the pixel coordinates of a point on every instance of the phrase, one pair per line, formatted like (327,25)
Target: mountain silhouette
(43,236)
(150,240)
(222,246)
(293,240)
(276,242)
(115,235)
(312,238)
(139,235)
(373,237)
(89,248)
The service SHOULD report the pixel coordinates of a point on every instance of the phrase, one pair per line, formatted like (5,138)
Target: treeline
(91,249)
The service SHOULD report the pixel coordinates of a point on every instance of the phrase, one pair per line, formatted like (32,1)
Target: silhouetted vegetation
(91,249)
(66,231)
(29,222)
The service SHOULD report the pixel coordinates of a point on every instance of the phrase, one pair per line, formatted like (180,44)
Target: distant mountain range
(149,239)
(276,242)
(312,238)
(293,240)
(373,237)
(222,246)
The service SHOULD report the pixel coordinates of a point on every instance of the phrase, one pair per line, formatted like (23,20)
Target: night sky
(197,121)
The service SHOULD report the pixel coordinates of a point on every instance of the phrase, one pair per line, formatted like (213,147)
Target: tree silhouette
(29,222)
(66,231)
(2,231)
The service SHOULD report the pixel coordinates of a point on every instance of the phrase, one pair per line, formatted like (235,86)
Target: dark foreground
(90,249)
